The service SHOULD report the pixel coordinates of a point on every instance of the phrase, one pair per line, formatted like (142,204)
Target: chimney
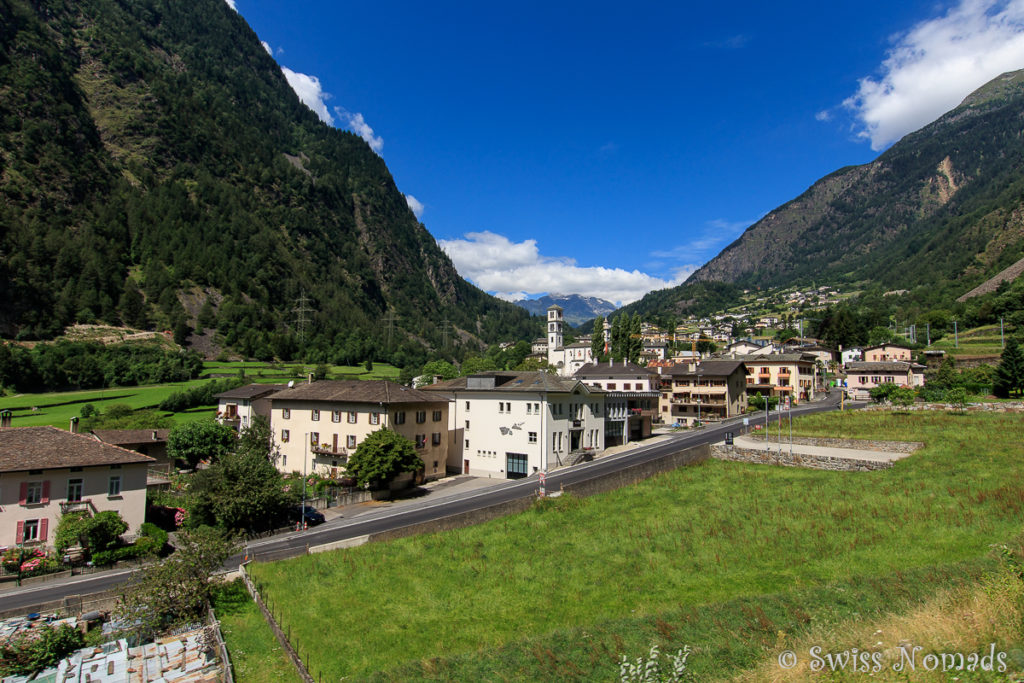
(5,419)
(154,435)
(693,367)
(74,425)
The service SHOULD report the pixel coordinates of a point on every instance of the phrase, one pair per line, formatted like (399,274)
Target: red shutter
(23,494)
(20,538)
(46,492)
(43,523)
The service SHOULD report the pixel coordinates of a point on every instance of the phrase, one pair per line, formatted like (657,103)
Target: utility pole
(300,310)
(928,331)
(1002,337)
(956,336)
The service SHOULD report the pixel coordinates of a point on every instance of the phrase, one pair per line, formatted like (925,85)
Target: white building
(565,359)
(513,424)
(239,406)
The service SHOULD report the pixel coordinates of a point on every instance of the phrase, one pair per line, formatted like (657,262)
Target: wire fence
(273,614)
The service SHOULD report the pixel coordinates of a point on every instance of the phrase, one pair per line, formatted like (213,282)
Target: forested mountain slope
(940,211)
(152,148)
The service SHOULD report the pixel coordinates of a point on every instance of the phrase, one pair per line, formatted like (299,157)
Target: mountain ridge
(153,147)
(576,308)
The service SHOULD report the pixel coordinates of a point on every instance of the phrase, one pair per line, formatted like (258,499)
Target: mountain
(157,169)
(938,213)
(576,309)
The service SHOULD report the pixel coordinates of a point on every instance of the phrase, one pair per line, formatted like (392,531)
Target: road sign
(542,478)
(746,422)
(787,403)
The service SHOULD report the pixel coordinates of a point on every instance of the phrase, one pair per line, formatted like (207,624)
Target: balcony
(328,449)
(77,505)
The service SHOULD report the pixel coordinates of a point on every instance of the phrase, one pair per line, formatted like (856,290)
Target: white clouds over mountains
(513,269)
(937,63)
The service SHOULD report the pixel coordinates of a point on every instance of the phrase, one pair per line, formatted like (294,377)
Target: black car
(309,514)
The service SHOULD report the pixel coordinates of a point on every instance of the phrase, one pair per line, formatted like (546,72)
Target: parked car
(307,513)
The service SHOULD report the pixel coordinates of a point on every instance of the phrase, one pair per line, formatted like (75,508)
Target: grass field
(682,545)
(255,653)
(978,341)
(57,408)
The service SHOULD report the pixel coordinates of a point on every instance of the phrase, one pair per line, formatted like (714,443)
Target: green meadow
(57,408)
(728,558)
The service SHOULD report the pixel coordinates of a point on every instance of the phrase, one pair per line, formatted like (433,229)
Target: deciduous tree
(381,457)
(202,440)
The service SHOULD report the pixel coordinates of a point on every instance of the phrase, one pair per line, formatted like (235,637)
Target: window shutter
(20,537)
(43,523)
(46,491)
(22,497)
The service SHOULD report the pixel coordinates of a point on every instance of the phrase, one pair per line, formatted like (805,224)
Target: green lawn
(255,653)
(716,533)
(978,341)
(57,408)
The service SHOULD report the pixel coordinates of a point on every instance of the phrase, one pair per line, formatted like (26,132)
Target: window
(375,418)
(31,530)
(285,435)
(611,386)
(435,440)
(501,406)
(536,408)
(114,486)
(314,439)
(400,418)
(467,406)
(33,493)
(315,414)
(353,417)
(533,437)
(437,416)
(286,413)
(467,424)
(350,441)
(421,440)
(335,416)
(529,408)
(421,416)
(467,443)
(74,490)
(626,386)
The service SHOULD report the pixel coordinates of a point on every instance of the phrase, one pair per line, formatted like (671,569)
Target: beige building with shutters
(318,425)
(45,472)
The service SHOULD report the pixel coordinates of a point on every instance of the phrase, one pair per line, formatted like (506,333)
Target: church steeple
(555,322)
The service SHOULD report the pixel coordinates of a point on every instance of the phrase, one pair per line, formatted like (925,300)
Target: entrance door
(335,443)
(515,465)
(574,440)
(465,467)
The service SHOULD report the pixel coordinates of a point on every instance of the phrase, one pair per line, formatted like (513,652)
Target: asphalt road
(295,543)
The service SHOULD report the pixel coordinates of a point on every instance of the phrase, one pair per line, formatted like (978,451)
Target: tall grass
(716,532)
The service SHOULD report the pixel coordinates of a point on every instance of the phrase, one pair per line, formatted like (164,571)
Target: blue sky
(608,149)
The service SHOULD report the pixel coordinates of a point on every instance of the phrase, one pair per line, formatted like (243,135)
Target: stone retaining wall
(862,444)
(817,462)
(1007,407)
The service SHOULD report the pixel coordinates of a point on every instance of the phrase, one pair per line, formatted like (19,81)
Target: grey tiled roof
(251,391)
(515,381)
(355,391)
(48,448)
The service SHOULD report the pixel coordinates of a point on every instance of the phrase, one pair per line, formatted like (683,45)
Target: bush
(26,654)
(124,552)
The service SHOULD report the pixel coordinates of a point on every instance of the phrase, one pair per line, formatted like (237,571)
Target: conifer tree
(1010,371)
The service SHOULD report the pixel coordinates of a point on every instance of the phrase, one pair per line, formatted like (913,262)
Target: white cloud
(823,115)
(358,125)
(937,63)
(500,265)
(266,46)
(415,205)
(310,92)
(232,4)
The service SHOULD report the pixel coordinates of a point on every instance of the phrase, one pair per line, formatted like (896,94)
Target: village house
(884,352)
(238,407)
(631,399)
(151,442)
(513,424)
(781,374)
(854,353)
(46,472)
(702,391)
(861,377)
(318,425)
